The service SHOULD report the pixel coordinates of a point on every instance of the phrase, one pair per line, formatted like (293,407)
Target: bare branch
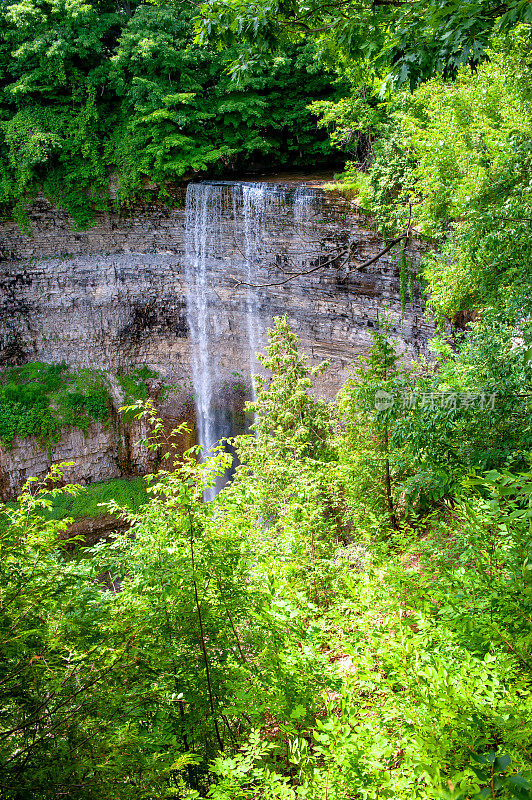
(297,274)
(337,6)
(513,219)
(381,253)
(308,29)
(333,262)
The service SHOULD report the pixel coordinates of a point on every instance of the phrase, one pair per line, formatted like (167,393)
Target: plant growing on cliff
(39,399)
(456,157)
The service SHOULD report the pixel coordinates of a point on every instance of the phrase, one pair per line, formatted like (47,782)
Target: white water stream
(254,209)
(209,206)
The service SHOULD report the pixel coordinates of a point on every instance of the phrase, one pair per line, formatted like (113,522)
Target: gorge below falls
(190,292)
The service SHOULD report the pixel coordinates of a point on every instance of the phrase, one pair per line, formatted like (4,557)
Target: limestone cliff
(114,297)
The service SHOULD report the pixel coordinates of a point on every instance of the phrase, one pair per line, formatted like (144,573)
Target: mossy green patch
(38,399)
(353,185)
(129,493)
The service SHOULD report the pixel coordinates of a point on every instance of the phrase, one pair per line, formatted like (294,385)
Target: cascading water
(254,209)
(304,205)
(245,206)
(202,243)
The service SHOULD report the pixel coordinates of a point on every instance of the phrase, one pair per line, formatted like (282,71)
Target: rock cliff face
(115,298)
(103,452)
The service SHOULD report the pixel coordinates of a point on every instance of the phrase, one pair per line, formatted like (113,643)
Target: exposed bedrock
(115,297)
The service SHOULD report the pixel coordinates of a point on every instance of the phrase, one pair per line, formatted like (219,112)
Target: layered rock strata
(114,298)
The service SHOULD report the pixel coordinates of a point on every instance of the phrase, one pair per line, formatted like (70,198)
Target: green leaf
(501,763)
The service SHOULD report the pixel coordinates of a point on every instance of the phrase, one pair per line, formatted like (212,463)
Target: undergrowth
(304,636)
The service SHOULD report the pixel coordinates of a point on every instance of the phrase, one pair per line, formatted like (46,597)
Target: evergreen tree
(368,405)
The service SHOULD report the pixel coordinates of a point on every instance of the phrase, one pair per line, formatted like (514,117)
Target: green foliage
(479,183)
(136,387)
(367,413)
(468,412)
(92,500)
(352,122)
(38,399)
(456,156)
(290,453)
(95,92)
(453,158)
(181,113)
(352,184)
(392,43)
(435,700)
(59,674)
(307,634)
(263,644)
(51,61)
(287,415)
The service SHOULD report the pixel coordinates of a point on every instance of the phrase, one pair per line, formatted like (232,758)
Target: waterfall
(254,209)
(203,220)
(304,204)
(241,210)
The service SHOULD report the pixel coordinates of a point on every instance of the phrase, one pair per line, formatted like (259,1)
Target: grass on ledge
(128,492)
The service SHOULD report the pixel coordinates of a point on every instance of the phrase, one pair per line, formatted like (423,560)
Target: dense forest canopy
(351,618)
(93,93)
(400,41)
